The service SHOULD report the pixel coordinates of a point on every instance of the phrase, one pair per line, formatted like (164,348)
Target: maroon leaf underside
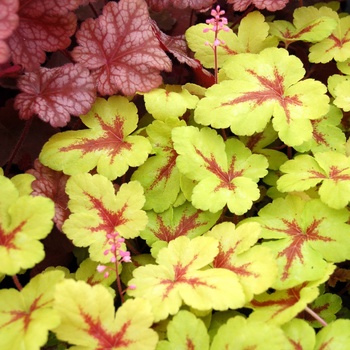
(56,94)
(43,26)
(159,5)
(270,90)
(298,238)
(121,49)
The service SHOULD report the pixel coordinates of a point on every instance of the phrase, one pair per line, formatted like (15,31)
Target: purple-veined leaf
(44,25)
(159,5)
(97,211)
(184,220)
(120,49)
(253,264)
(227,172)
(179,278)
(56,94)
(8,23)
(89,320)
(270,5)
(159,175)
(331,169)
(26,316)
(51,184)
(304,236)
(107,144)
(24,220)
(261,86)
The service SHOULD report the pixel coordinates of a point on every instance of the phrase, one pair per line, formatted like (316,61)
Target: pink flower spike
(132,286)
(106,275)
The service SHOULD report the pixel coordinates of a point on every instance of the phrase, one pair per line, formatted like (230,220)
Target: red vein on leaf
(7,237)
(187,223)
(298,237)
(105,339)
(164,172)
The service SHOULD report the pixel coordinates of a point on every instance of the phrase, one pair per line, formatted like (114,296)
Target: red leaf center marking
(293,296)
(25,315)
(270,90)
(165,171)
(318,136)
(339,42)
(168,233)
(334,174)
(298,237)
(105,339)
(112,139)
(307,29)
(7,237)
(189,344)
(109,219)
(225,177)
(222,260)
(180,272)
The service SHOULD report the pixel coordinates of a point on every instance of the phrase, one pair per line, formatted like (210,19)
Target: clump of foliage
(175,175)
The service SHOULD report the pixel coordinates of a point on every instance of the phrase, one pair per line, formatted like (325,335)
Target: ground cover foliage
(175,175)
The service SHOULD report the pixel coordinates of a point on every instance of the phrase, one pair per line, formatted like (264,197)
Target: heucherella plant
(175,175)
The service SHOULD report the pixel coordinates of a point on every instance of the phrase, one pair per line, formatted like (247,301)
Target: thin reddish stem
(17,282)
(316,316)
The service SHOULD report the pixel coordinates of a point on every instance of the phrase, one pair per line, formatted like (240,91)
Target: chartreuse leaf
(89,319)
(325,306)
(24,220)
(184,220)
(261,86)
(331,168)
(309,24)
(106,144)
(253,264)
(159,175)
(326,135)
(23,183)
(185,331)
(98,211)
(336,46)
(227,172)
(281,306)
(300,335)
(172,101)
(179,278)
(26,316)
(334,336)
(253,36)
(304,235)
(338,86)
(241,334)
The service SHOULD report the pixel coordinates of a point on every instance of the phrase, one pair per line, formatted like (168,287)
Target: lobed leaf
(240,334)
(54,94)
(334,336)
(43,26)
(331,168)
(98,211)
(106,144)
(159,5)
(304,236)
(159,175)
(89,320)
(226,172)
(262,86)
(24,220)
(310,24)
(185,331)
(300,335)
(120,49)
(26,316)
(253,36)
(184,220)
(179,278)
(338,86)
(8,23)
(253,264)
